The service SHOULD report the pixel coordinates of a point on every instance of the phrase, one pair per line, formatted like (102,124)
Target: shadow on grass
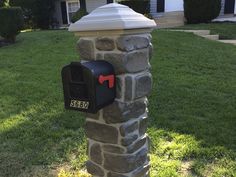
(35,131)
(192,106)
(194,88)
(41,136)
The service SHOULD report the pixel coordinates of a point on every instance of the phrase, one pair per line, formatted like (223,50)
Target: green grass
(35,131)
(192,107)
(225,30)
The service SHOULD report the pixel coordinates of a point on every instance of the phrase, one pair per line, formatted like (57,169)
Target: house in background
(167,13)
(170,13)
(65,9)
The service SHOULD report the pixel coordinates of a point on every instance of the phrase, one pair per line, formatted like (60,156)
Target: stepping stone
(196,32)
(212,37)
(228,41)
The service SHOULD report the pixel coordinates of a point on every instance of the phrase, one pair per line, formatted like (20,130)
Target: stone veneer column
(117,139)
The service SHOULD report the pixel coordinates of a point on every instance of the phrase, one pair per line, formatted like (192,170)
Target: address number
(79,104)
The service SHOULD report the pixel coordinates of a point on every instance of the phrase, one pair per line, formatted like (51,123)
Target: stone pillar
(117,139)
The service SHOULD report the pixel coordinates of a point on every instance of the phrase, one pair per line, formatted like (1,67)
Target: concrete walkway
(225,19)
(206,34)
(229,41)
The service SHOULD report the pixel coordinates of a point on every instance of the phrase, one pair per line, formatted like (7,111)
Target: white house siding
(170,6)
(235,8)
(178,5)
(174,5)
(93,4)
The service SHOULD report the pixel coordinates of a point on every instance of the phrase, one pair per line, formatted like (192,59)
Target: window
(72,7)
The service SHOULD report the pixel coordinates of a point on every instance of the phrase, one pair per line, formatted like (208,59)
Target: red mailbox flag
(109,78)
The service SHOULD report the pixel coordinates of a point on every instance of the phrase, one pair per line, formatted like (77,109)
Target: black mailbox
(88,86)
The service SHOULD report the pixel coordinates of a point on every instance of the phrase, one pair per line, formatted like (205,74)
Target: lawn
(225,30)
(192,107)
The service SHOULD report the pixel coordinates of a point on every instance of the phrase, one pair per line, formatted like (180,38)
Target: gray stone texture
(86,49)
(113,149)
(120,150)
(101,132)
(119,112)
(96,153)
(143,124)
(128,140)
(94,169)
(128,88)
(105,43)
(111,174)
(131,62)
(124,163)
(118,87)
(143,85)
(141,172)
(118,60)
(128,127)
(99,56)
(137,145)
(137,61)
(132,42)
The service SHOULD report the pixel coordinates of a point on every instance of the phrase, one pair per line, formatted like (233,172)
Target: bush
(4,3)
(37,13)
(201,11)
(78,15)
(140,6)
(43,13)
(11,20)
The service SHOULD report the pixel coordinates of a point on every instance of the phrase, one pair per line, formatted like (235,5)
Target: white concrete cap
(112,17)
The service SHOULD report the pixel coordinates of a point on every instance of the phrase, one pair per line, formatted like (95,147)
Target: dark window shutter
(160,5)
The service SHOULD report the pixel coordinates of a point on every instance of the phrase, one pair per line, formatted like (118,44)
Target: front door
(229,6)
(160,6)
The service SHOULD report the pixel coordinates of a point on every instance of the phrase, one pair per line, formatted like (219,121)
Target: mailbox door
(88,86)
(77,91)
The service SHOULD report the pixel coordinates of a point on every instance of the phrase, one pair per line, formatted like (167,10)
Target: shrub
(43,13)
(201,11)
(78,15)
(140,6)
(4,3)
(11,20)
(40,12)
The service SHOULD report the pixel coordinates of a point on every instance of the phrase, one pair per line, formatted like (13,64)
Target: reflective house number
(79,104)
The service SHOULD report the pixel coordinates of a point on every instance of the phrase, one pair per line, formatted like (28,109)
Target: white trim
(235,8)
(67,13)
(174,5)
(67,9)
